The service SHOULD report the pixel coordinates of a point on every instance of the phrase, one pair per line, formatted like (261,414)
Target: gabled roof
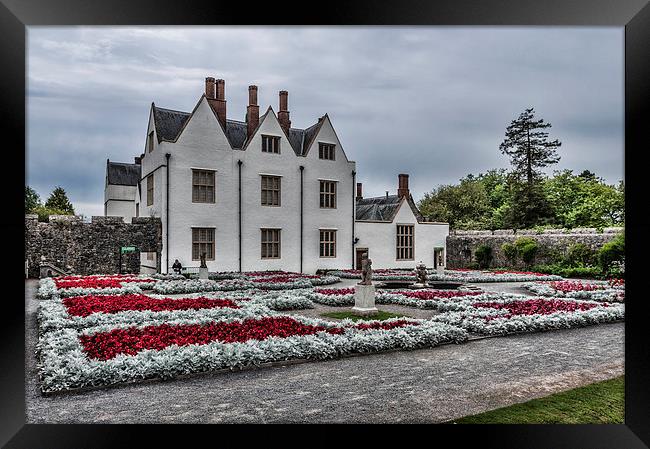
(169,123)
(384,208)
(122,174)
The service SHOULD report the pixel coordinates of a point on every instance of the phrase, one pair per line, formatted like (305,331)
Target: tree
(59,200)
(528,146)
(464,206)
(32,200)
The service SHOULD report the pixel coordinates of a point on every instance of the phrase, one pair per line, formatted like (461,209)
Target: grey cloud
(430,101)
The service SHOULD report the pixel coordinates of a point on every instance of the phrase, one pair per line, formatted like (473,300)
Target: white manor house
(260,195)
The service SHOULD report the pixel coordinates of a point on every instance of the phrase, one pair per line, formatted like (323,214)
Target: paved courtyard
(423,386)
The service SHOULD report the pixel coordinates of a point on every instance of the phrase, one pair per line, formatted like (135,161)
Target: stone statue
(203,264)
(421,273)
(366,270)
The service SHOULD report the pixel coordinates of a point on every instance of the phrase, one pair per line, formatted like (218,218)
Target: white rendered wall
(203,145)
(120,201)
(380,239)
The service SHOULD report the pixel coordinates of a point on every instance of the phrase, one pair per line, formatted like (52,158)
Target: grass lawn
(599,403)
(381,315)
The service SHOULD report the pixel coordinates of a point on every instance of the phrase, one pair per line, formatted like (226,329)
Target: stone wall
(461,245)
(90,248)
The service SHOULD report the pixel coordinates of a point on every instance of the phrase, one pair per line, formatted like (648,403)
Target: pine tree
(59,200)
(529,149)
(528,146)
(32,200)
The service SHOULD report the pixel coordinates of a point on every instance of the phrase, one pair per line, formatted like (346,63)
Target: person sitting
(177,267)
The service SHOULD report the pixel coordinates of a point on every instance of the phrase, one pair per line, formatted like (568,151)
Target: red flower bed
(572,286)
(86,305)
(334,291)
(107,345)
(95,282)
(431,294)
(536,307)
(616,282)
(281,279)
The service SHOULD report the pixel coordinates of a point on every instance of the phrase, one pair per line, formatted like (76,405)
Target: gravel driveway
(427,385)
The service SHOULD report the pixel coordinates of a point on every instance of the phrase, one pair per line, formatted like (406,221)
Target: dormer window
(326,151)
(270,144)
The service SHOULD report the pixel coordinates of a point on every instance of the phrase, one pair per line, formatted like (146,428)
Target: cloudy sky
(430,101)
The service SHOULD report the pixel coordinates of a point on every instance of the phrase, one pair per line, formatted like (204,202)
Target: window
(137,210)
(202,242)
(150,190)
(202,186)
(326,151)
(405,236)
(150,142)
(270,144)
(270,243)
(328,194)
(270,190)
(327,243)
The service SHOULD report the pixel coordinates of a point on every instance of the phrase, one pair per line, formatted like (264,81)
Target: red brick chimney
(252,111)
(359,191)
(283,113)
(209,88)
(403,185)
(218,101)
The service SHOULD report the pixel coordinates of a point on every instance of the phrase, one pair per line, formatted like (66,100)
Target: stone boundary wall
(90,248)
(461,245)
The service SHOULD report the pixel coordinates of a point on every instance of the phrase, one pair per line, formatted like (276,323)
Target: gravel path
(428,385)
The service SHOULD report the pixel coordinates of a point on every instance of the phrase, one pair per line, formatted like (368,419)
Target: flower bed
(467,275)
(530,315)
(377,275)
(592,290)
(276,280)
(103,355)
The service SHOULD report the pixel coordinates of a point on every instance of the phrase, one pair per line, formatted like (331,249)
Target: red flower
(334,291)
(538,306)
(431,294)
(107,345)
(86,305)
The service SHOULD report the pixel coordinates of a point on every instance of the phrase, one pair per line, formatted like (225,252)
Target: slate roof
(123,174)
(236,132)
(383,208)
(169,123)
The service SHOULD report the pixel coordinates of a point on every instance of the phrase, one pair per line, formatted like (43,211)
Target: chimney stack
(252,111)
(209,88)
(403,185)
(218,100)
(359,191)
(283,113)
(138,160)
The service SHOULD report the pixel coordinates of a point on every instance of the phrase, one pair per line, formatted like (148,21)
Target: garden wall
(89,248)
(461,245)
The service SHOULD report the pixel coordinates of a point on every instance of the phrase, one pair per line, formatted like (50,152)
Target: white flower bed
(608,294)
(474,321)
(64,364)
(200,285)
(487,276)
(54,315)
(47,290)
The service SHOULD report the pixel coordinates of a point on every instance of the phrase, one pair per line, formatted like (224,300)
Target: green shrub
(579,254)
(570,272)
(523,241)
(528,252)
(510,251)
(44,213)
(610,252)
(483,255)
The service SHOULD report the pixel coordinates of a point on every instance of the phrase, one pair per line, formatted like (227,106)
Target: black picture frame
(634,15)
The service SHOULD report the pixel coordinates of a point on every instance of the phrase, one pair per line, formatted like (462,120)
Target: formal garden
(95,331)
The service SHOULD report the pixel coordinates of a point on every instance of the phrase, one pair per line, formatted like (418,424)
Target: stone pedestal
(364,300)
(203,273)
(440,270)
